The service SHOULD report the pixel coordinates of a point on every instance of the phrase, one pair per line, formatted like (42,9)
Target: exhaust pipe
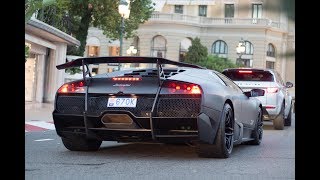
(118,121)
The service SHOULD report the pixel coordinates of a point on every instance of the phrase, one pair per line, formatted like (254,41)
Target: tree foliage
(217,63)
(76,16)
(196,52)
(26,52)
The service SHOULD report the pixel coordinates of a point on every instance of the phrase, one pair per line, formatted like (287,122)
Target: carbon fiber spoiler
(123,59)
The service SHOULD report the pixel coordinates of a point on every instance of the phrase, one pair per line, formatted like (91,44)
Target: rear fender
(208,124)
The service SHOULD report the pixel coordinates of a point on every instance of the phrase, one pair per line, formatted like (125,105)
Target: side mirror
(254,93)
(289,84)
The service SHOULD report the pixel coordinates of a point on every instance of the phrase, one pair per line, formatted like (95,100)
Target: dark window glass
(229,82)
(271,51)
(270,65)
(248,75)
(178,9)
(203,10)
(256,10)
(229,11)
(219,47)
(249,48)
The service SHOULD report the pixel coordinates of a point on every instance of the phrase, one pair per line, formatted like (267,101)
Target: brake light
(270,107)
(244,71)
(272,90)
(74,87)
(180,88)
(126,79)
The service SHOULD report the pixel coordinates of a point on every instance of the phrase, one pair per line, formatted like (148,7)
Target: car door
(247,114)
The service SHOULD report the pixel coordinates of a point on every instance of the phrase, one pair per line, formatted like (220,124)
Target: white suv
(277,102)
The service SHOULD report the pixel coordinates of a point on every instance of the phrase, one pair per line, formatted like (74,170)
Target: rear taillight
(272,90)
(73,87)
(270,107)
(126,79)
(174,87)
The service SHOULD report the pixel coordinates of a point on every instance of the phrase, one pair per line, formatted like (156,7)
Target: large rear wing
(122,59)
(84,62)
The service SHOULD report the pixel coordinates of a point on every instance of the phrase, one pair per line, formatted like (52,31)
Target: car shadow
(155,151)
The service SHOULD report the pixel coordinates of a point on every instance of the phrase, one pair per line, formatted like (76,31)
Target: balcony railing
(215,21)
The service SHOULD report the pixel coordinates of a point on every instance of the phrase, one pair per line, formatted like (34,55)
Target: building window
(93,51)
(178,9)
(257,11)
(219,47)
(229,10)
(270,65)
(136,44)
(203,10)
(249,48)
(271,52)
(159,46)
(114,51)
(184,46)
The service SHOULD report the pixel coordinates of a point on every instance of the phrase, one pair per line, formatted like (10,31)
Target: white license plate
(122,102)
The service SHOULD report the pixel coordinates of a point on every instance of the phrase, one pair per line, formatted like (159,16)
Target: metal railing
(215,21)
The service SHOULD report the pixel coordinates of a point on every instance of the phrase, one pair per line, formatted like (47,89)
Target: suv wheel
(258,131)
(287,121)
(278,122)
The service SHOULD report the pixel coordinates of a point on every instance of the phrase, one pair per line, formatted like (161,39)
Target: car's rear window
(248,75)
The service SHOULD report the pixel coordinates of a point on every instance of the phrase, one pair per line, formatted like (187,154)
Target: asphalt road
(46,158)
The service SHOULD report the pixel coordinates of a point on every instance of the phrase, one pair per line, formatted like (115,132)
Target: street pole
(121,38)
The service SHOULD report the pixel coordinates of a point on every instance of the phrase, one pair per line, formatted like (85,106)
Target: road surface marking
(41,124)
(44,140)
(29,128)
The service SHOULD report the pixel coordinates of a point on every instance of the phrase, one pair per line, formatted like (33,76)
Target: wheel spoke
(228,129)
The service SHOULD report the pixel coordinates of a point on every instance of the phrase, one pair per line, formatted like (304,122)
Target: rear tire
(278,123)
(287,121)
(80,143)
(223,144)
(257,133)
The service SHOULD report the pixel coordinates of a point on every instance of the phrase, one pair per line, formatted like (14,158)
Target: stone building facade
(263,25)
(48,47)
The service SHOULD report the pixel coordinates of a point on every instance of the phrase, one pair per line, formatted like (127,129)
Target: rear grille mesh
(70,104)
(167,106)
(183,107)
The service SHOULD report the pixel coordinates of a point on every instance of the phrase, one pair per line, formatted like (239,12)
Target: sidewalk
(38,111)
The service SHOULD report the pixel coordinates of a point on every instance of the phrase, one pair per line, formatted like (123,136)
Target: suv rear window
(248,75)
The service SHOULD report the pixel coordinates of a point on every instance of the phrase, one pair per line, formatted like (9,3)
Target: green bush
(196,52)
(217,63)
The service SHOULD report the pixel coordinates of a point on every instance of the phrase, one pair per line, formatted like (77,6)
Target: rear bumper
(166,129)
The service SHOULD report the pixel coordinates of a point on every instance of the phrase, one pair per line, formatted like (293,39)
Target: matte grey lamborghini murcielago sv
(159,101)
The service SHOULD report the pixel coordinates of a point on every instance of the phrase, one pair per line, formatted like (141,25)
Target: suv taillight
(73,87)
(175,87)
(272,90)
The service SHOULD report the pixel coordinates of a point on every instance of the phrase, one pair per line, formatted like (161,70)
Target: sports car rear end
(130,106)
